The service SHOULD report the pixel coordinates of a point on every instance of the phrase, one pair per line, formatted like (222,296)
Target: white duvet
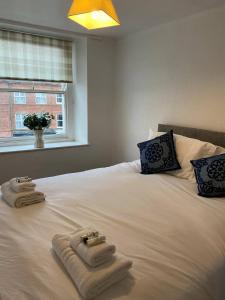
(175,238)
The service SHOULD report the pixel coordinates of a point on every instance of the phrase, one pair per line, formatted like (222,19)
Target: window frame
(57,120)
(29,140)
(15,97)
(37,95)
(75,97)
(60,103)
(21,114)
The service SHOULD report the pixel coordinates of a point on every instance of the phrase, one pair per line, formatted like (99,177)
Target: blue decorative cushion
(158,155)
(210,175)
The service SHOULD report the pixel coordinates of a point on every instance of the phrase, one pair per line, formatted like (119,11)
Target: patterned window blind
(37,58)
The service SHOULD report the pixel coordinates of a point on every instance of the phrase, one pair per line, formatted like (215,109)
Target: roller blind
(31,57)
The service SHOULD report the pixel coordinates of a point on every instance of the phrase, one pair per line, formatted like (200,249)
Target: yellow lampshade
(93,14)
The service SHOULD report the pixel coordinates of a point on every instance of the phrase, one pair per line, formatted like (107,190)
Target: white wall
(173,74)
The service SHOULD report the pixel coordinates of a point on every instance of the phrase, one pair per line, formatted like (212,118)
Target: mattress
(175,238)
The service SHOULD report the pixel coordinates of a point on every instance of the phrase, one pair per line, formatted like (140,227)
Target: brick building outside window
(15,103)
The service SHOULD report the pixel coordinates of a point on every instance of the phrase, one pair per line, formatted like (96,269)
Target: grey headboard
(217,138)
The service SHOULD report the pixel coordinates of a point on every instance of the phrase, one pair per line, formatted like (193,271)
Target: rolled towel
(89,281)
(93,256)
(17,187)
(20,199)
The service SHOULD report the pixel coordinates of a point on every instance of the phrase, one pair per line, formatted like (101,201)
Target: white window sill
(48,146)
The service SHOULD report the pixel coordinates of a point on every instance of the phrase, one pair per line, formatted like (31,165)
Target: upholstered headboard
(217,138)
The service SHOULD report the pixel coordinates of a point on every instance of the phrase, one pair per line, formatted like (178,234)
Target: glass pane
(12,113)
(60,120)
(59,98)
(19,98)
(19,118)
(41,98)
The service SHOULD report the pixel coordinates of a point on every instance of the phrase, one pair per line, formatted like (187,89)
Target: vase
(39,142)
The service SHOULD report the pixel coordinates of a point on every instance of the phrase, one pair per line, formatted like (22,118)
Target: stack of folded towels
(19,192)
(90,261)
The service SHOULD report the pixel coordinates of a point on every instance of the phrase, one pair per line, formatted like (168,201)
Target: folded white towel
(89,281)
(93,256)
(20,199)
(17,187)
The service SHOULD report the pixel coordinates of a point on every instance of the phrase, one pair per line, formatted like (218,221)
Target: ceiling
(135,15)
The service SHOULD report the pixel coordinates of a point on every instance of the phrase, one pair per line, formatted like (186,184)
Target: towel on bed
(20,199)
(93,256)
(18,187)
(89,281)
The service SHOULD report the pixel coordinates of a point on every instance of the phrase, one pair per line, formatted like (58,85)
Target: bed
(175,238)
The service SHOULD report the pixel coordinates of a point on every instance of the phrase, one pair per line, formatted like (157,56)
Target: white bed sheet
(175,238)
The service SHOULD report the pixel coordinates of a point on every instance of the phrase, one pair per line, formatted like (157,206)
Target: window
(19,118)
(13,114)
(41,98)
(59,121)
(35,71)
(59,98)
(19,98)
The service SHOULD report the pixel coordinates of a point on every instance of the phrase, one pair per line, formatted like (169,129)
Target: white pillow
(188,149)
(220,150)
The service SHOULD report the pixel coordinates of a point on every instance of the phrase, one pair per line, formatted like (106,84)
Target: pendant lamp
(93,14)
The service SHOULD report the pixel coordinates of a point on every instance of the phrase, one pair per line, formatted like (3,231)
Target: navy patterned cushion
(158,155)
(210,175)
